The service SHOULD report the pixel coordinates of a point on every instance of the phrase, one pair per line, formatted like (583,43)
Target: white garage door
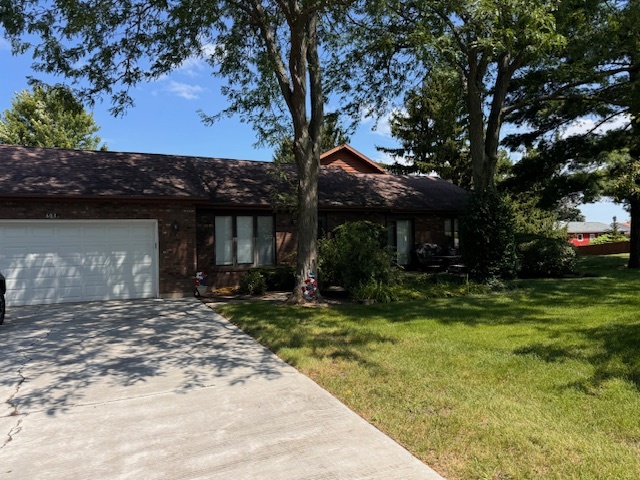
(76,261)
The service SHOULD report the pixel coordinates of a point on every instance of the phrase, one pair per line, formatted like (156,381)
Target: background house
(581,233)
(85,225)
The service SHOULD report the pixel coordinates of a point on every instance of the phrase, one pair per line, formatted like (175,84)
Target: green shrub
(377,291)
(356,256)
(543,257)
(280,277)
(424,286)
(327,262)
(608,238)
(253,283)
(487,238)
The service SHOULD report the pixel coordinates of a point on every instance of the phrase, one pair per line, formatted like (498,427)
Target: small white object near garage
(57,261)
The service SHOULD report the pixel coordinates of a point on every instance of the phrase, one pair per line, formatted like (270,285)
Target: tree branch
(272,50)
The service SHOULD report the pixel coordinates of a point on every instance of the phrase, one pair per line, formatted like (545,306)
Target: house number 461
(51,215)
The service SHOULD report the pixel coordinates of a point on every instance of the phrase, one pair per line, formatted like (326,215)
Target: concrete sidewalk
(169,389)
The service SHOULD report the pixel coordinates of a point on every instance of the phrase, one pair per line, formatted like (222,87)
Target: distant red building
(581,233)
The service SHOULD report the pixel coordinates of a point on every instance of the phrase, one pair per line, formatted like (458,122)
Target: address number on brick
(51,215)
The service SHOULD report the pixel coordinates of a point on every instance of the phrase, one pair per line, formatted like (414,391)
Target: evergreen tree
(433,131)
(596,79)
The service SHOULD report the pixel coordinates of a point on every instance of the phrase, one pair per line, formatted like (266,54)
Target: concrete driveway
(170,389)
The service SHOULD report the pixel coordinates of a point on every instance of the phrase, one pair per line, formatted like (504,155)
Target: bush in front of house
(253,283)
(327,262)
(356,257)
(376,291)
(487,238)
(279,277)
(544,257)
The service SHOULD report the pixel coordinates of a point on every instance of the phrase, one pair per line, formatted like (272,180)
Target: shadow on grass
(552,307)
(612,350)
(287,327)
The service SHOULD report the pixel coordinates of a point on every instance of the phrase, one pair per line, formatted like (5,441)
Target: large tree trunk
(476,130)
(634,255)
(307,219)
(307,145)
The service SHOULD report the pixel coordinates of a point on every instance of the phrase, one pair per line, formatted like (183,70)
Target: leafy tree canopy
(49,117)
(487,44)
(267,50)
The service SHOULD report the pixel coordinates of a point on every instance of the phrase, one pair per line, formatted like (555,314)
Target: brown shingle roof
(43,172)
(399,192)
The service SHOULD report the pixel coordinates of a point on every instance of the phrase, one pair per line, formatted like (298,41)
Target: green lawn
(539,382)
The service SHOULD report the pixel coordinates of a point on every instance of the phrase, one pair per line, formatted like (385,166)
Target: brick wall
(427,228)
(176,248)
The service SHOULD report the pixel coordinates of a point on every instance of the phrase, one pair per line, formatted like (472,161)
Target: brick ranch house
(87,225)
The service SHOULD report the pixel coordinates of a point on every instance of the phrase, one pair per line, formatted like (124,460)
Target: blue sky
(165,120)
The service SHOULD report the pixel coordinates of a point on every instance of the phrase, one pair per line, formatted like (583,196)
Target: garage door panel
(140,268)
(78,261)
(42,234)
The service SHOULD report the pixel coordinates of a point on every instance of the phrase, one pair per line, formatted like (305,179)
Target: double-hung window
(244,240)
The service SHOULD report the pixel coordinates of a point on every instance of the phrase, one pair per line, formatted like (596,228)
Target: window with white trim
(244,240)
(579,237)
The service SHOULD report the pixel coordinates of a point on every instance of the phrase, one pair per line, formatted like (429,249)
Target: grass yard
(539,382)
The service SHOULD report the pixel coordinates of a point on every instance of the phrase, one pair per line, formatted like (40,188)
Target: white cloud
(193,66)
(387,159)
(382,125)
(184,90)
(586,125)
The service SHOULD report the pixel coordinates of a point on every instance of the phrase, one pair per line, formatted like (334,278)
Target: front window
(322,226)
(224,240)
(244,228)
(244,240)
(265,241)
(580,238)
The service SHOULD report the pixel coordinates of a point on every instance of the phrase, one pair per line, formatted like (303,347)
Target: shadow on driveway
(160,389)
(53,354)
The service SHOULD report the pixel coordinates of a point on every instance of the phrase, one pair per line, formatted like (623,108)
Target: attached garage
(57,261)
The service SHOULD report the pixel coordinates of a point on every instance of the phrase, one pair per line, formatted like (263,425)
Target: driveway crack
(10,401)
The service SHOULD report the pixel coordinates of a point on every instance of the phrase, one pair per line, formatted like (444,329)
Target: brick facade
(191,246)
(426,228)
